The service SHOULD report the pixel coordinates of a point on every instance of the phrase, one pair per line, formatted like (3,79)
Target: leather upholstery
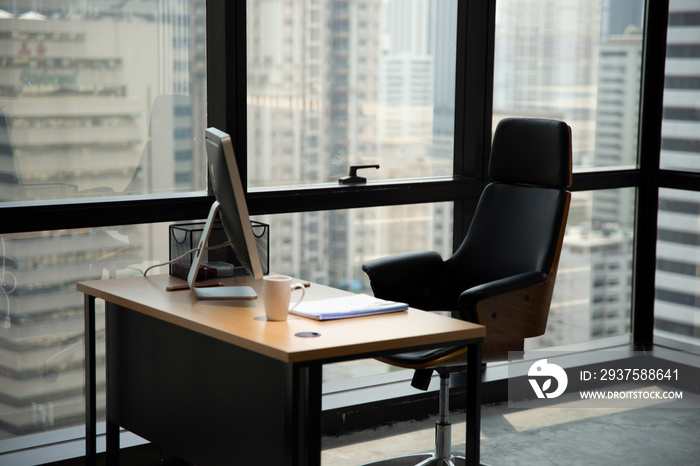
(528,151)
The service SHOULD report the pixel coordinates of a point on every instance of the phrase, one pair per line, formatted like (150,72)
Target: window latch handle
(352,178)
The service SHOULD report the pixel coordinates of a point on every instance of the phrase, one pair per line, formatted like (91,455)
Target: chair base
(424,459)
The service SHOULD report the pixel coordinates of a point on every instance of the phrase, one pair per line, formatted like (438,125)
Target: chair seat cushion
(414,359)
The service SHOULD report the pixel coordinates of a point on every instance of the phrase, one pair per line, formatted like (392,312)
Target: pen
(187,287)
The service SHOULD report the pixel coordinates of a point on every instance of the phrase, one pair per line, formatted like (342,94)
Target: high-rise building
(677,305)
(580,62)
(312,82)
(81,116)
(546,65)
(609,239)
(617,122)
(592,293)
(334,84)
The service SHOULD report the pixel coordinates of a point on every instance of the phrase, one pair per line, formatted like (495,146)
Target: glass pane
(337,83)
(42,323)
(680,135)
(677,303)
(41,313)
(330,247)
(579,62)
(592,296)
(101,101)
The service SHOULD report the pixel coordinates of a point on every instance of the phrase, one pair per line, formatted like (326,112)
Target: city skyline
(331,88)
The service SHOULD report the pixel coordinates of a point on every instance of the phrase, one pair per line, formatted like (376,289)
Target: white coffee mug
(277,291)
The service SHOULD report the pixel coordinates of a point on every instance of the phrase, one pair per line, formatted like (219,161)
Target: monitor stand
(217,292)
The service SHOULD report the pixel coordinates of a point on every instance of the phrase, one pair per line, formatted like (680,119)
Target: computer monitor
(232,208)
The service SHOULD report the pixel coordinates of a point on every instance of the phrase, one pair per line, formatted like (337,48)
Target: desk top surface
(243,323)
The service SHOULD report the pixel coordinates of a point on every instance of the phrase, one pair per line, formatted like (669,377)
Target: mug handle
(298,286)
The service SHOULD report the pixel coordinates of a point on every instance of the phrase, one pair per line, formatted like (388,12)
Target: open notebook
(357,305)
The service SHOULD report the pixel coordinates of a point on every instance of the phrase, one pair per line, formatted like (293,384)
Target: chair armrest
(469,299)
(400,276)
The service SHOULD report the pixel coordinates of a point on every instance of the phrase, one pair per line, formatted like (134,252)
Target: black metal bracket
(352,178)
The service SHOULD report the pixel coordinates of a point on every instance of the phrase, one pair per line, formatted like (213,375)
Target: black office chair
(502,276)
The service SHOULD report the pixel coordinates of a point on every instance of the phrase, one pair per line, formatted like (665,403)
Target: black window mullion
(473,102)
(373,194)
(227,75)
(651,112)
(102,212)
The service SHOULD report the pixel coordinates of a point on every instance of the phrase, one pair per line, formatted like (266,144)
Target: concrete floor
(565,435)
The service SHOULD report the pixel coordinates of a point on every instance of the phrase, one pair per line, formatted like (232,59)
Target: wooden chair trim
(496,349)
(523,313)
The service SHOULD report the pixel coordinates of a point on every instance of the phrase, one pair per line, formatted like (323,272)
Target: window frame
(473,106)
(226,85)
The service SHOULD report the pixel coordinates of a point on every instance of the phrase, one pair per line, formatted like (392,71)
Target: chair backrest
(531,151)
(518,223)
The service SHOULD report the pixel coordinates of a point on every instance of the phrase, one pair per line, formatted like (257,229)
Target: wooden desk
(215,383)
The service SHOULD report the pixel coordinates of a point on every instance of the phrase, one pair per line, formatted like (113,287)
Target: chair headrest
(531,151)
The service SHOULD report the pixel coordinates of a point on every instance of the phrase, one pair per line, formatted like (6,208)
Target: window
(42,323)
(677,305)
(372,92)
(93,102)
(680,141)
(589,280)
(376,100)
(309,116)
(677,302)
(580,64)
(304,241)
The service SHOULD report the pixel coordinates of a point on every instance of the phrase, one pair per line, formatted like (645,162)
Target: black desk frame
(300,435)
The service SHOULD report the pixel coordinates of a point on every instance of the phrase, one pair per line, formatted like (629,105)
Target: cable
(222,245)
(170,261)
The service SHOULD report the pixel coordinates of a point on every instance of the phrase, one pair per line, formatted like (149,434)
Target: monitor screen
(232,208)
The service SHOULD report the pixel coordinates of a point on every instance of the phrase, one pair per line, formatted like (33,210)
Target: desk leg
(112,444)
(90,383)
(473,403)
(306,394)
